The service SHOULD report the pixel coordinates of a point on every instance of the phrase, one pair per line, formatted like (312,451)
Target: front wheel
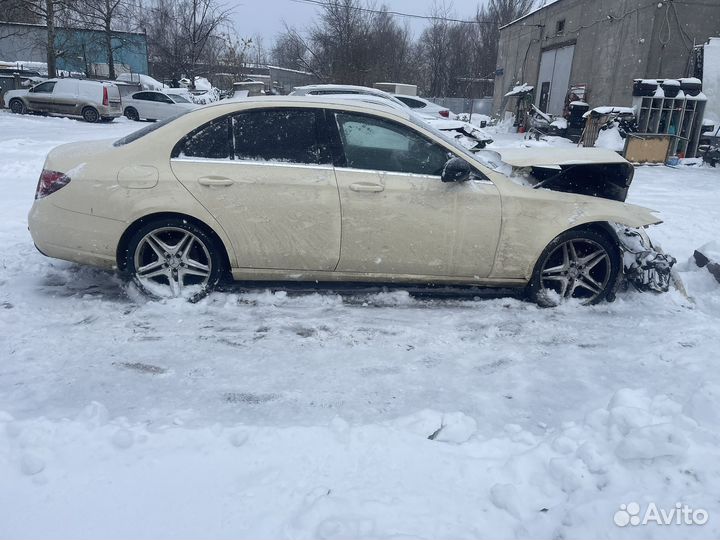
(17,106)
(579,264)
(172,258)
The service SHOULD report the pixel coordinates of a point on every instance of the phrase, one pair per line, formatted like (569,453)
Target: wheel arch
(91,107)
(17,98)
(121,252)
(599,226)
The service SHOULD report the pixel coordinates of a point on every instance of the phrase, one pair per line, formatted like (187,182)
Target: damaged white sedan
(307,189)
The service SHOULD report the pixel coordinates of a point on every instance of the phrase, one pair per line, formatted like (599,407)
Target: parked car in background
(424,106)
(469,136)
(321,189)
(94,101)
(145,81)
(155,105)
(344,89)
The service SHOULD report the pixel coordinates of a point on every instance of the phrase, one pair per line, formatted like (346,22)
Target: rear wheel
(171,258)
(132,114)
(17,106)
(580,264)
(91,115)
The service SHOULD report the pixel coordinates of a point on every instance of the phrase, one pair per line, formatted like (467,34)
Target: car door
(164,106)
(40,97)
(143,104)
(267,177)
(398,217)
(65,97)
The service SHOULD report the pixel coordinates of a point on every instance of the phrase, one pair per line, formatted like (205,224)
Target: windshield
(178,98)
(140,133)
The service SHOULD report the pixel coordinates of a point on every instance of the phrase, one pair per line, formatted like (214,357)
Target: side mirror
(456,170)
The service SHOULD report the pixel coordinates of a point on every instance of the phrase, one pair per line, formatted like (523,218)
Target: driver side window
(44,88)
(382,145)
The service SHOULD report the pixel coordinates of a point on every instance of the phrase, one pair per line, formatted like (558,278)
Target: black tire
(203,250)
(552,284)
(90,115)
(17,106)
(132,114)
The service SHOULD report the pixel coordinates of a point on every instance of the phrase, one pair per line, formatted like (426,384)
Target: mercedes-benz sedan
(317,189)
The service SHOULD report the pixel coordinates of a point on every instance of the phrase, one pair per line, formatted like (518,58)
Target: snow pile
(145,81)
(40,67)
(424,475)
(611,139)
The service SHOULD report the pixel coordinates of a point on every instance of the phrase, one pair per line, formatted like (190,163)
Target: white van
(94,101)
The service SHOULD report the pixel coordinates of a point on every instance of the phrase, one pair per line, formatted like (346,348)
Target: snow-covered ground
(268,414)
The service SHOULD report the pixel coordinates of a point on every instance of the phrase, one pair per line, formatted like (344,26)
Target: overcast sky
(265,17)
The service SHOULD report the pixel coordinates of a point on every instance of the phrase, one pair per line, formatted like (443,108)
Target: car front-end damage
(645,266)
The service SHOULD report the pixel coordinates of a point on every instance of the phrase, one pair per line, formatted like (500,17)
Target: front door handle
(215,181)
(367,186)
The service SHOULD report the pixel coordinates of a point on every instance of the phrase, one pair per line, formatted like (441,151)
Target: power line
(398,13)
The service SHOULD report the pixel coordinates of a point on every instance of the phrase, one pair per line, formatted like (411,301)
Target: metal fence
(462,105)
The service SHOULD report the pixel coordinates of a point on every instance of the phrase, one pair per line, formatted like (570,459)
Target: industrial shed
(599,47)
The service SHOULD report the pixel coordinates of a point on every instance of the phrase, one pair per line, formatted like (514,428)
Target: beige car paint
(467,239)
(417,224)
(282,216)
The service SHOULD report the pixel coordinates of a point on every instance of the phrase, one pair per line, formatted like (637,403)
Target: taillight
(445,114)
(50,182)
(106,99)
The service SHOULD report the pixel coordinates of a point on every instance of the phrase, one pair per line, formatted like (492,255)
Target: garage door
(554,79)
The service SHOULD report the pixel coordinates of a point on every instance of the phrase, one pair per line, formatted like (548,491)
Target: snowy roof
(520,89)
(610,110)
(546,4)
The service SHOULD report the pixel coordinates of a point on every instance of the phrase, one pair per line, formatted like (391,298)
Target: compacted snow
(271,414)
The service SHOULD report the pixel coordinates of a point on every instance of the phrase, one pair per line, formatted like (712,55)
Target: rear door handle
(366,186)
(215,181)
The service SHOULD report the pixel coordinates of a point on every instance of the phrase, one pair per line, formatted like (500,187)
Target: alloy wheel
(578,268)
(172,262)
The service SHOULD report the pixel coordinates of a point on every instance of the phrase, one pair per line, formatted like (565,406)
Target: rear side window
(279,135)
(211,141)
(412,103)
(143,96)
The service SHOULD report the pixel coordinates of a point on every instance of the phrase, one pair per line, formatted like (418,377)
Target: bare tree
(290,51)
(199,21)
(103,16)
(46,12)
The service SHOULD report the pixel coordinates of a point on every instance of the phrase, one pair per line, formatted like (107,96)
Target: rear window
(140,133)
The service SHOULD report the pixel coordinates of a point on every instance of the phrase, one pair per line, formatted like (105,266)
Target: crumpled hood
(539,156)
(586,171)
